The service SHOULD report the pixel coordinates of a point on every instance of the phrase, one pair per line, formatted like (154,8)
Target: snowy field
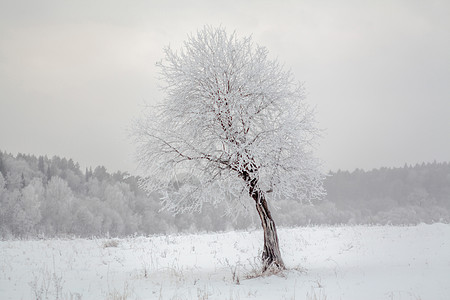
(324,263)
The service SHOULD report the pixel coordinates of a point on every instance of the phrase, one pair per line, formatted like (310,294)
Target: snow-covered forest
(47,197)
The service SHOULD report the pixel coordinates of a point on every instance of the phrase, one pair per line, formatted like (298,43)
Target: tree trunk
(271,255)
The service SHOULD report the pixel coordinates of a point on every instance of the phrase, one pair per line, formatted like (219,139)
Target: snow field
(360,262)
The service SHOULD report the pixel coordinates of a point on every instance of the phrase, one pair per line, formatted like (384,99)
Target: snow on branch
(229,110)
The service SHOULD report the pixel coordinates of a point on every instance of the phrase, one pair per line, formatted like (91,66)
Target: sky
(75,74)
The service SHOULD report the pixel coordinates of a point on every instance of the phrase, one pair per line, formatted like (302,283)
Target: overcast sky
(74,74)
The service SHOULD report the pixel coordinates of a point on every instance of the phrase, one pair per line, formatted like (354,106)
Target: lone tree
(233,125)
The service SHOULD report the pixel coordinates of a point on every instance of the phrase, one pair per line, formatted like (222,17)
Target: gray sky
(74,74)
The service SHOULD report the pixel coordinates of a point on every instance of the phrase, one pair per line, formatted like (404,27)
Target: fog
(73,75)
(52,197)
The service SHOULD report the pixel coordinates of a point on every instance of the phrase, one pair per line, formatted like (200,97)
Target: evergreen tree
(2,165)
(22,181)
(49,174)
(41,165)
(88,174)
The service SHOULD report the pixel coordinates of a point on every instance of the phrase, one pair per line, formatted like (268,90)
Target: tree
(100,173)
(88,174)
(56,207)
(41,164)
(2,166)
(233,125)
(27,209)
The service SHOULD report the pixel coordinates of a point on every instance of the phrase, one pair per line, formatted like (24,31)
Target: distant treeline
(397,196)
(41,196)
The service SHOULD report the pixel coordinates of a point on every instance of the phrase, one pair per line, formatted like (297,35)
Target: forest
(53,197)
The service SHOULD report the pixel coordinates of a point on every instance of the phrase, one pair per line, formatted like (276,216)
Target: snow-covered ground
(324,263)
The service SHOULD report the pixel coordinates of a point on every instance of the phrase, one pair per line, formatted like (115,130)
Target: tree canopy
(230,112)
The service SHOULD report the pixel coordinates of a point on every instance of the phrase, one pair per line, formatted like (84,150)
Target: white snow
(360,262)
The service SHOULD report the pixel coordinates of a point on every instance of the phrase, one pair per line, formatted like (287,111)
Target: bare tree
(235,125)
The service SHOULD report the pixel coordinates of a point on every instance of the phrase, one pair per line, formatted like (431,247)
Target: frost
(233,122)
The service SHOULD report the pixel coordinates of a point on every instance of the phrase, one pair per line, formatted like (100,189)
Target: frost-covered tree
(233,125)
(56,208)
(2,166)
